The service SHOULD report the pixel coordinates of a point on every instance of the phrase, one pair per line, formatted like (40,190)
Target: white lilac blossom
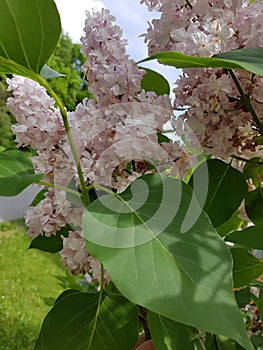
(212,104)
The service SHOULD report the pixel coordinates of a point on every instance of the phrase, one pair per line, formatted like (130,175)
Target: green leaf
(153,81)
(253,169)
(38,198)
(89,321)
(219,189)
(11,67)
(16,172)
(249,59)
(254,206)
(52,244)
(245,267)
(29,31)
(243,297)
(230,225)
(163,138)
(162,253)
(167,334)
(250,237)
(48,73)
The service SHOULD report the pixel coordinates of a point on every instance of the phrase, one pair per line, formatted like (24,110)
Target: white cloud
(72,15)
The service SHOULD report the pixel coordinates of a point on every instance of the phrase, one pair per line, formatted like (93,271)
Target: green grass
(26,278)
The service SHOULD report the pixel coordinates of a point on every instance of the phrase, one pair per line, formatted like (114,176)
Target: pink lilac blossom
(213,110)
(39,123)
(111,75)
(74,254)
(120,125)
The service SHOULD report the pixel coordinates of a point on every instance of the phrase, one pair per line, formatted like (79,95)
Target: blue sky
(130,16)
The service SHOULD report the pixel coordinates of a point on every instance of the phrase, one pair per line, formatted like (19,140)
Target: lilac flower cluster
(212,106)
(119,126)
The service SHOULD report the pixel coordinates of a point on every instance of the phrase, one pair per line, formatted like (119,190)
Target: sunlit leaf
(29,31)
(249,59)
(162,253)
(16,172)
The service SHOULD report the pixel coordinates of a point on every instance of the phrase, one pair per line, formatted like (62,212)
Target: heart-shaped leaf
(89,321)
(219,189)
(162,252)
(29,31)
(16,172)
(249,59)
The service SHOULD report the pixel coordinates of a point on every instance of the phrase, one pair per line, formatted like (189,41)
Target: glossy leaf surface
(29,31)
(162,253)
(249,59)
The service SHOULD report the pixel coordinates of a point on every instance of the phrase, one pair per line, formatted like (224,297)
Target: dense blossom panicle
(111,75)
(39,123)
(209,97)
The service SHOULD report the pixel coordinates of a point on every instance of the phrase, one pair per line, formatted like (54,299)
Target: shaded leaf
(253,169)
(29,31)
(16,172)
(38,198)
(162,253)
(153,81)
(168,334)
(249,59)
(245,267)
(219,189)
(250,237)
(254,206)
(243,297)
(230,225)
(89,321)
(52,244)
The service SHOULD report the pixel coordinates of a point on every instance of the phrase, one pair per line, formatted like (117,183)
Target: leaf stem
(68,190)
(246,101)
(143,320)
(84,195)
